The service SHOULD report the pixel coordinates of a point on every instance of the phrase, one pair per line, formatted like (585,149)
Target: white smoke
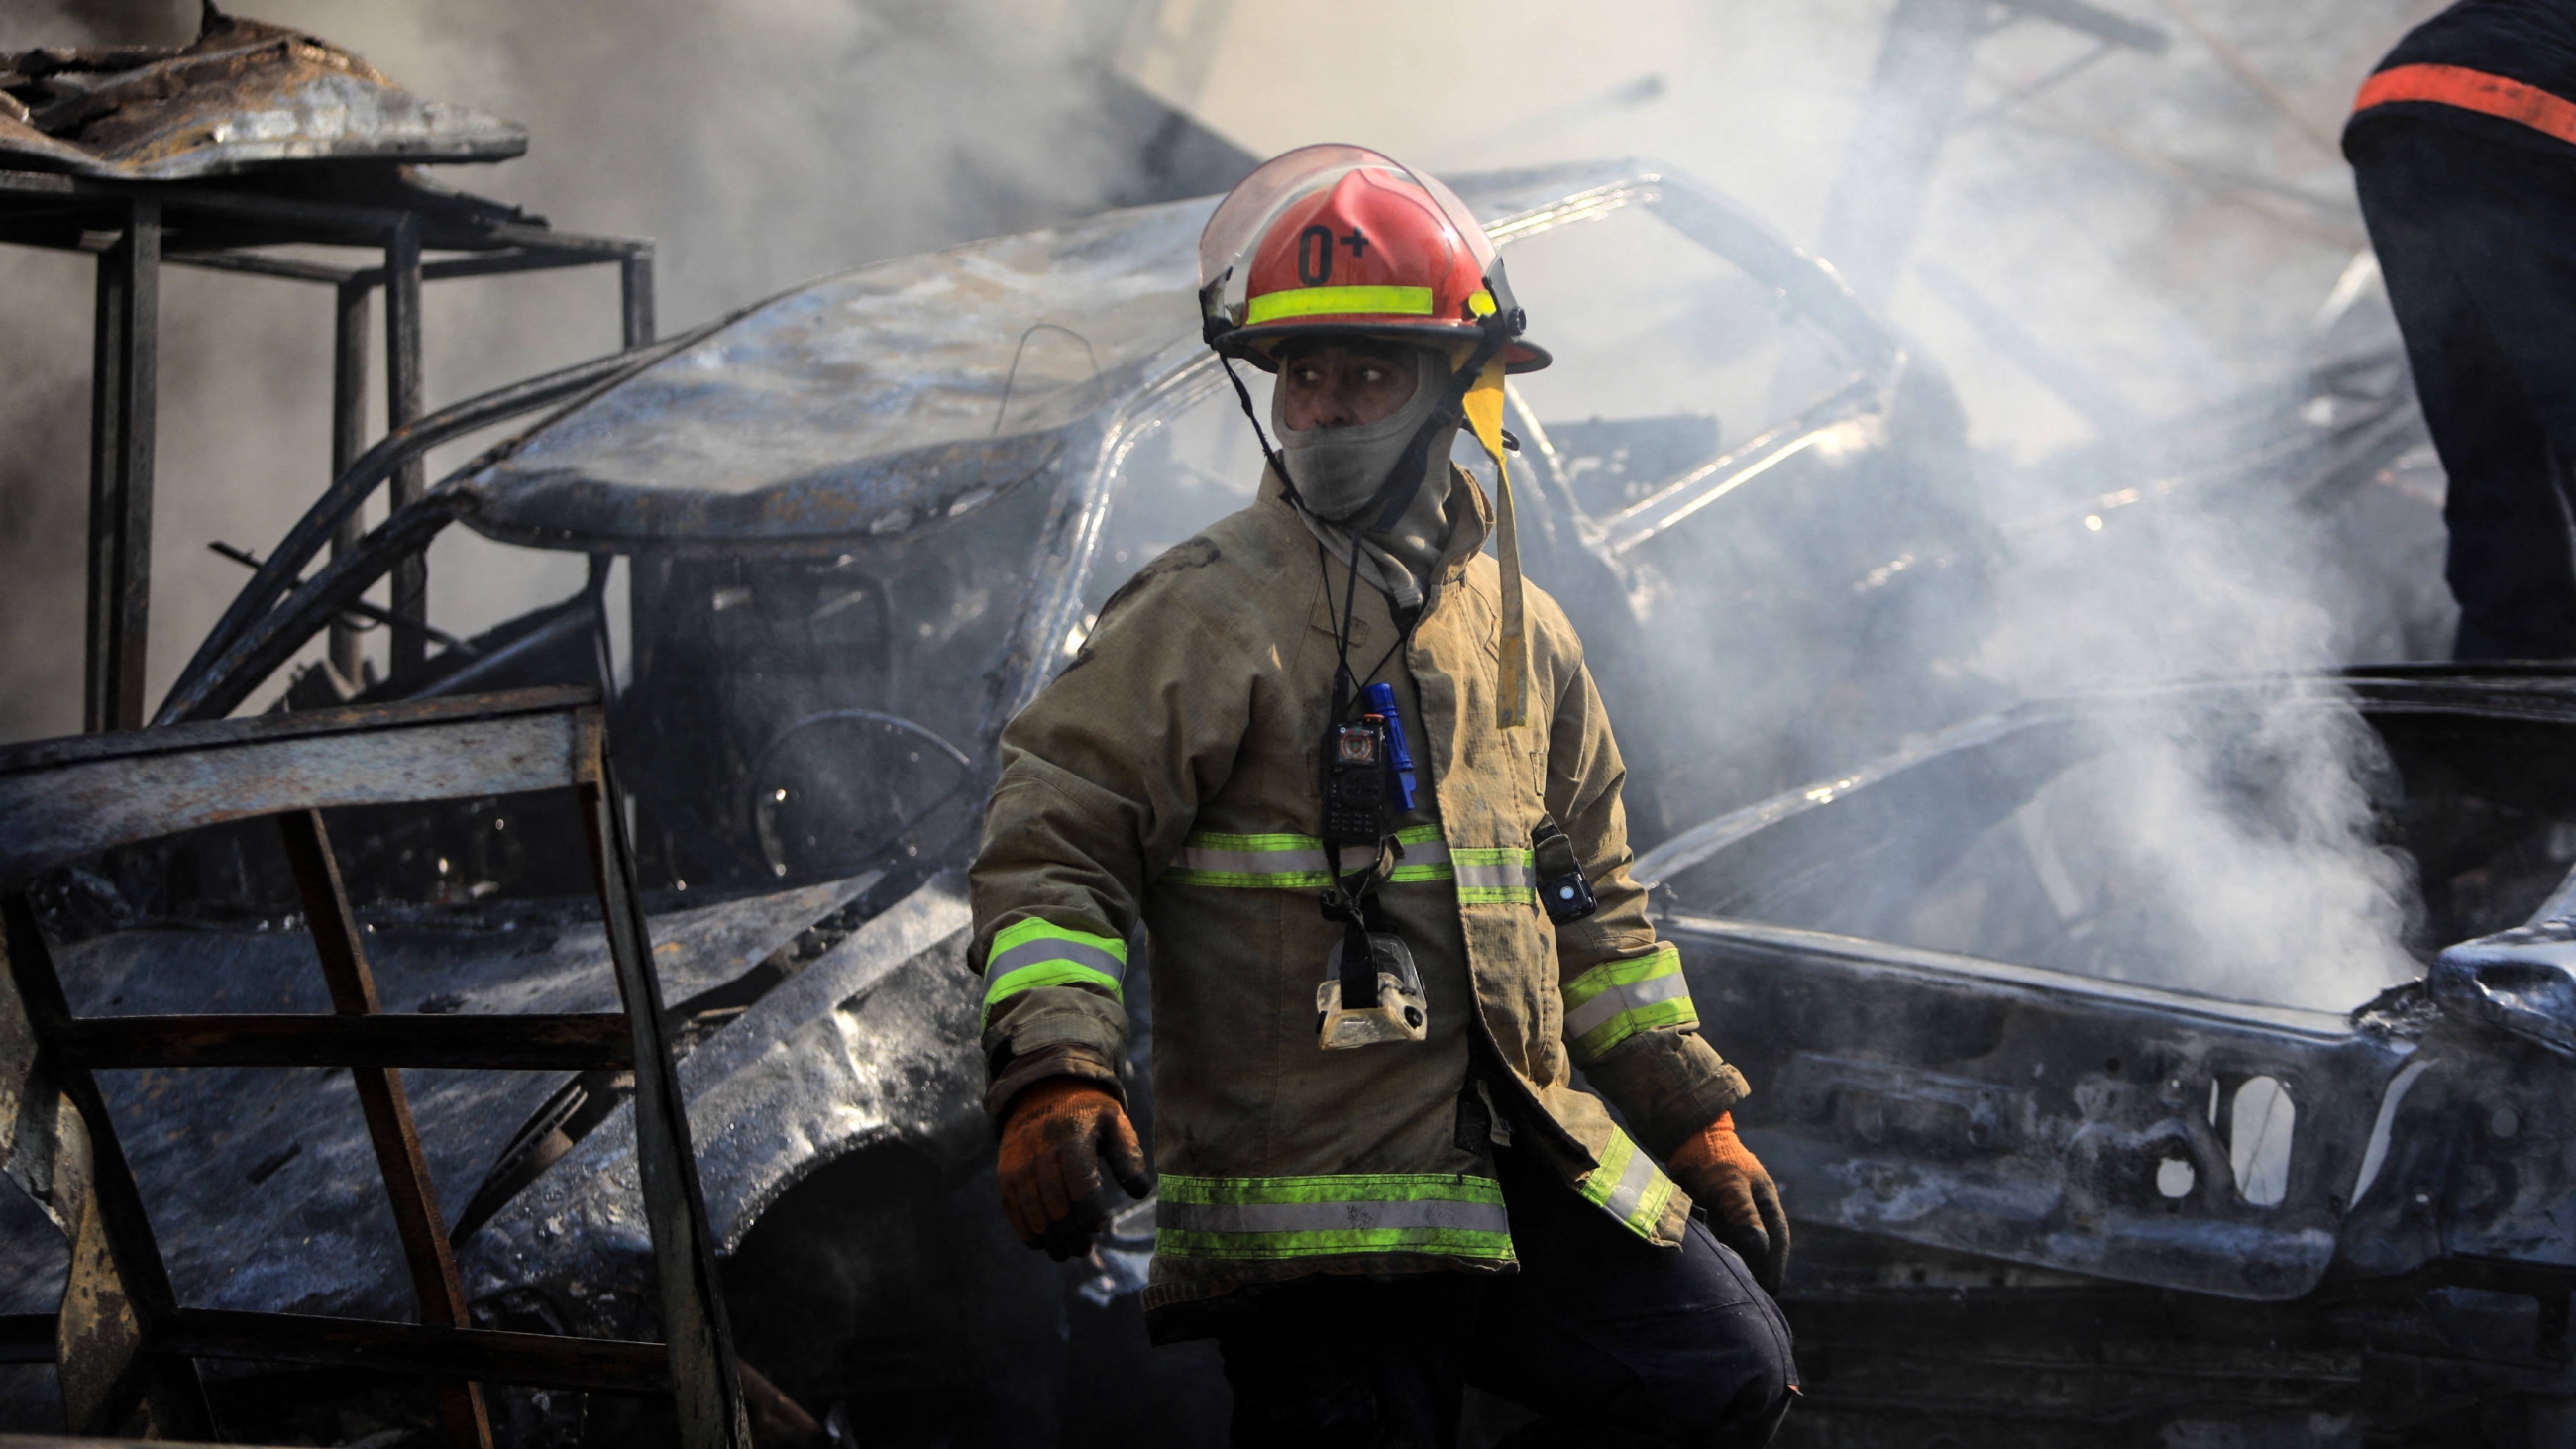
(2159,224)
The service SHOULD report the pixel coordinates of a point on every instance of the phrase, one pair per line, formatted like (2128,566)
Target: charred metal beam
(501,261)
(59,804)
(1719,476)
(488,1043)
(124,384)
(705,1380)
(402,408)
(111,1339)
(536,1359)
(360,608)
(1922,72)
(2093,20)
(220,653)
(348,439)
(635,295)
(64,799)
(342,947)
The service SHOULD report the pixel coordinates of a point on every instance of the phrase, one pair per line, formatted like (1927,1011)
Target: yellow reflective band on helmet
(1481,303)
(1501,876)
(1331,1215)
(1618,999)
(1628,1186)
(1033,953)
(1282,862)
(1339,302)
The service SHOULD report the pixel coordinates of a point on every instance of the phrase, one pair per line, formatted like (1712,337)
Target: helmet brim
(1255,345)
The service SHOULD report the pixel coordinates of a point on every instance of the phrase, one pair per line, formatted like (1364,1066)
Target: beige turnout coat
(1163,790)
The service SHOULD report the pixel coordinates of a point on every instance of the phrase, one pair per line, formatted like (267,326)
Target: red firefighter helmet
(1335,238)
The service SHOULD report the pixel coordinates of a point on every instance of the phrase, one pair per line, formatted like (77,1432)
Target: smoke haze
(2159,233)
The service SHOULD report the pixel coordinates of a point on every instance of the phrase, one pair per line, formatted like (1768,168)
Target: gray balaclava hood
(1338,472)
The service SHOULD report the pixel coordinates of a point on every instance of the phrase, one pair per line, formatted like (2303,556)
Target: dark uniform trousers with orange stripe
(2464,153)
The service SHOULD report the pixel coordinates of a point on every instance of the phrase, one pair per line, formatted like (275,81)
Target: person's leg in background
(2477,241)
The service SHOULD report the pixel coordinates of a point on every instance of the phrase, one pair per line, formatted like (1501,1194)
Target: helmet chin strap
(1484,408)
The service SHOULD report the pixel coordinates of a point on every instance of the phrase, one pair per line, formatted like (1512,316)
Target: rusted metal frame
(260,264)
(221,652)
(314,220)
(348,440)
(341,945)
(403,407)
(706,1383)
(124,385)
(499,262)
(598,248)
(128,1277)
(329,222)
(77,806)
(294,725)
(510,1043)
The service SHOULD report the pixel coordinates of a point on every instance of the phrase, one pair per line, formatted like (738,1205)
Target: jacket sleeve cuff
(1023,1073)
(1060,1031)
(1668,1084)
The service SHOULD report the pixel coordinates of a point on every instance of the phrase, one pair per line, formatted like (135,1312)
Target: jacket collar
(1465,539)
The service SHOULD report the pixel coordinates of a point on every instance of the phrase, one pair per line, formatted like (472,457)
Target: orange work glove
(1722,1174)
(1052,1139)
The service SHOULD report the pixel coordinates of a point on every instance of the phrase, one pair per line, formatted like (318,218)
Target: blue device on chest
(1380,699)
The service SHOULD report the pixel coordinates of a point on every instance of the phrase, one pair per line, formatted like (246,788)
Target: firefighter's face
(1341,386)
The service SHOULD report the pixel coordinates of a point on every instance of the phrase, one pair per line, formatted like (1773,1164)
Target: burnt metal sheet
(873,1041)
(873,403)
(2057,1119)
(2521,981)
(244,94)
(2028,1115)
(280,1158)
(75,808)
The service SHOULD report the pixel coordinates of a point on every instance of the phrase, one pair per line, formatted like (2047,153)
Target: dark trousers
(1610,1341)
(2477,240)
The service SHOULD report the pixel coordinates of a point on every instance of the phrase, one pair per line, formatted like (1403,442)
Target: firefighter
(1350,778)
(2463,145)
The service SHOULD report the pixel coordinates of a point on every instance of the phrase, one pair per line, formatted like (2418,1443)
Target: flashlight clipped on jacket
(1381,701)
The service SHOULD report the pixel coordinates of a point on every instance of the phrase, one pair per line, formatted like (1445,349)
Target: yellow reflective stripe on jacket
(1618,999)
(1628,1186)
(1293,862)
(1494,876)
(1340,301)
(1034,953)
(1327,1215)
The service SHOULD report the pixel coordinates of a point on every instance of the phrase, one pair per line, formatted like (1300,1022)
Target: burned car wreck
(858,526)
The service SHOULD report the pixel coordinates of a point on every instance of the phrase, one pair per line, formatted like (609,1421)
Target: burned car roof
(864,404)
